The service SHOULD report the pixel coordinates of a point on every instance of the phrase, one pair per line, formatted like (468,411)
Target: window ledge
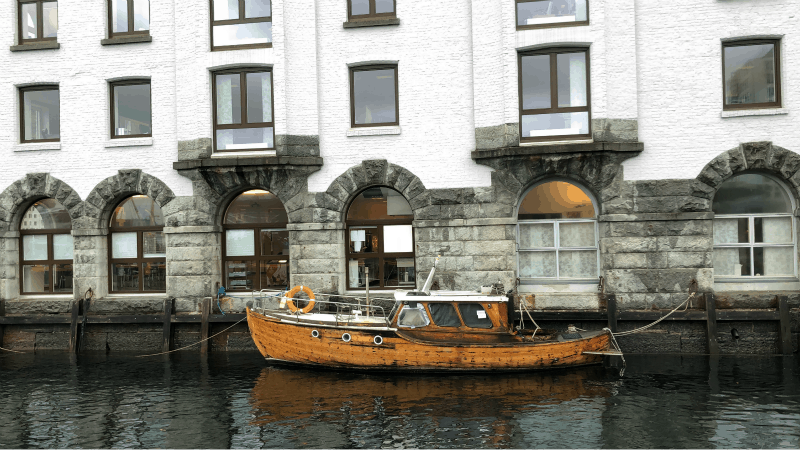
(37,147)
(129,142)
(371,22)
(754,112)
(543,143)
(127,39)
(559,147)
(373,131)
(50,45)
(248,154)
(45,297)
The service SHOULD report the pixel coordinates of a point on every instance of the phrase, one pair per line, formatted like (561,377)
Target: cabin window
(412,317)
(47,249)
(444,315)
(474,315)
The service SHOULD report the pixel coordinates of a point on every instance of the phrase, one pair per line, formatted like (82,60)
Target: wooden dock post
(785,326)
(711,323)
(2,314)
(611,306)
(168,307)
(73,328)
(204,325)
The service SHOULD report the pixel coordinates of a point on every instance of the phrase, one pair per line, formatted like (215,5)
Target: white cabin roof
(449,296)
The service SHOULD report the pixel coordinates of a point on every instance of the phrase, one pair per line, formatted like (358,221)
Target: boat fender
(293,292)
(377,340)
(314,333)
(346,337)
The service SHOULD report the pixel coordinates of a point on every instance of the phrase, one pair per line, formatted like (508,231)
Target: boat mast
(426,288)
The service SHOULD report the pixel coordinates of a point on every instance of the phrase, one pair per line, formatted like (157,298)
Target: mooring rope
(9,350)
(198,342)
(636,330)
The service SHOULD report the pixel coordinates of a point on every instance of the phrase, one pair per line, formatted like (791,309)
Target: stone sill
(127,40)
(371,22)
(373,131)
(245,154)
(754,112)
(249,161)
(129,142)
(34,147)
(464,222)
(51,45)
(550,148)
(639,217)
(45,297)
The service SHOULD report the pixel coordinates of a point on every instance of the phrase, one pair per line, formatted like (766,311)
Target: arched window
(137,247)
(557,233)
(46,257)
(256,247)
(380,236)
(753,228)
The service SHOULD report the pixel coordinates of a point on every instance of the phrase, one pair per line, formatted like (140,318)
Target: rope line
(636,330)
(9,350)
(198,342)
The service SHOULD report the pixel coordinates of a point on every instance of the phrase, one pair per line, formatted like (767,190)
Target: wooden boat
(425,331)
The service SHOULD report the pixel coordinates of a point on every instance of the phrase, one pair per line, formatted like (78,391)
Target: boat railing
(353,311)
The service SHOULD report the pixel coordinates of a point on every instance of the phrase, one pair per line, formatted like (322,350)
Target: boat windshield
(412,316)
(444,315)
(474,315)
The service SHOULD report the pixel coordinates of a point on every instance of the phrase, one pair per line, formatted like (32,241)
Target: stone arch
(105,196)
(331,205)
(749,157)
(15,199)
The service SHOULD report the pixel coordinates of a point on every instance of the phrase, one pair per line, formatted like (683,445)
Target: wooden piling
(2,314)
(785,326)
(711,323)
(611,307)
(206,310)
(73,328)
(168,307)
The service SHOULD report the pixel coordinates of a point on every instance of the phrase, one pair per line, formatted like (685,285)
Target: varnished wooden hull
(289,342)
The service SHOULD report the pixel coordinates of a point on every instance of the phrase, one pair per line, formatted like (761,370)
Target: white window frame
(751,244)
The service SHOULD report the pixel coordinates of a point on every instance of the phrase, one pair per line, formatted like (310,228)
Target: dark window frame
(554,52)
(140,259)
(130,32)
(240,20)
(39,22)
(353,70)
(243,88)
(548,25)
(50,261)
(22,91)
(133,82)
(777,55)
(372,14)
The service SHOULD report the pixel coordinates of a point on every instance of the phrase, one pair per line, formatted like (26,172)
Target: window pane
(274,274)
(63,278)
(124,245)
(364,239)
(259,97)
(556,200)
(240,243)
(256,8)
(384,6)
(474,315)
(132,110)
(155,276)
(751,194)
(397,239)
(35,278)
(34,247)
(535,82)
(137,211)
(274,242)
(732,261)
(226,9)
(50,19)
(359,7)
(29,21)
(536,235)
(571,69)
(559,124)
(229,99)
(778,261)
(42,114)
(758,261)
(63,246)
(153,244)
(537,264)
(374,96)
(119,16)
(141,15)
(579,234)
(412,317)
(775,230)
(243,34)
(749,74)
(577,264)
(444,315)
(256,206)
(244,139)
(241,274)
(731,231)
(379,203)
(356,272)
(551,11)
(47,214)
(398,272)
(125,277)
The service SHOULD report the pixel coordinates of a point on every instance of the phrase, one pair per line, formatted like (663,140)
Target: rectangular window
(243,117)
(128,17)
(238,24)
(751,70)
(551,13)
(369,9)
(130,109)
(38,21)
(40,116)
(560,249)
(373,96)
(754,246)
(554,96)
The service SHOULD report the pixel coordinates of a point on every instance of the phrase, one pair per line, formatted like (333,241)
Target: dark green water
(235,400)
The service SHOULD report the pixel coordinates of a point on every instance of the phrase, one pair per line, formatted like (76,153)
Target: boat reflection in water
(353,409)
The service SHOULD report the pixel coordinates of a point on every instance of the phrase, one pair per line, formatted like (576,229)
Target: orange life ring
(292,293)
